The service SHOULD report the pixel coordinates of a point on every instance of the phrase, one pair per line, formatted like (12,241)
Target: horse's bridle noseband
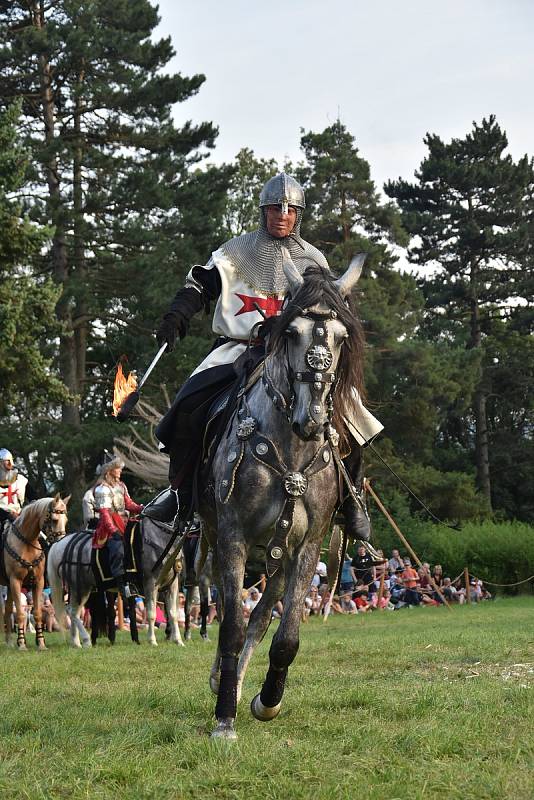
(319,358)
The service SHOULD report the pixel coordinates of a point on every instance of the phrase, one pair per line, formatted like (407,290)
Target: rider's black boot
(163,508)
(357,522)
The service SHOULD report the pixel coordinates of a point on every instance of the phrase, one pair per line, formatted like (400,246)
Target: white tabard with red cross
(234,317)
(235,313)
(12,494)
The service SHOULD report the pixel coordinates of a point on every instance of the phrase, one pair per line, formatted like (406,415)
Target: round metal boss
(319,357)
(277,553)
(246,428)
(232,455)
(295,483)
(261,448)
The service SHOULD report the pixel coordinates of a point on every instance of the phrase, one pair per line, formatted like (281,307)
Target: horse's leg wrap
(39,635)
(226,706)
(272,690)
(21,638)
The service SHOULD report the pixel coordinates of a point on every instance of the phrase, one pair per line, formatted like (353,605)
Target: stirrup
(164,508)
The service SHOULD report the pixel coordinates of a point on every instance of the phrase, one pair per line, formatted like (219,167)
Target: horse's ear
(350,278)
(294,278)
(57,497)
(66,499)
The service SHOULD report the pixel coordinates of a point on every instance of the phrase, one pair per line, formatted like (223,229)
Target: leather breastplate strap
(295,485)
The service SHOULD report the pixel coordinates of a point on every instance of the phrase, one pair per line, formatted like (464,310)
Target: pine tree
(111,171)
(26,303)
(471,211)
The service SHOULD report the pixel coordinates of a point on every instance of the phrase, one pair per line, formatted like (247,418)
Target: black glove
(171,325)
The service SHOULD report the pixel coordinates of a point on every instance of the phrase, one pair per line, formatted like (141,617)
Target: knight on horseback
(114,507)
(246,280)
(12,488)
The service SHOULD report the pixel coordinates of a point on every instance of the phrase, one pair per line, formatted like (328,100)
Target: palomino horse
(274,482)
(160,550)
(24,560)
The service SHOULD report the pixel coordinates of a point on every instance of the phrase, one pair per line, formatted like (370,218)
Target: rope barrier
(491,583)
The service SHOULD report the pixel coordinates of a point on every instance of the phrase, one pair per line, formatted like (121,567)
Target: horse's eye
(290,333)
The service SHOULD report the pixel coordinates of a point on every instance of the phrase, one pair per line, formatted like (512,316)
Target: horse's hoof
(86,644)
(188,636)
(179,642)
(204,637)
(214,682)
(21,647)
(263,713)
(224,730)
(42,647)
(153,642)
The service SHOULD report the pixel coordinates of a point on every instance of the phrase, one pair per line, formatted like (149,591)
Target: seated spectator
(278,610)
(385,601)
(381,570)
(397,590)
(252,601)
(49,615)
(410,579)
(437,574)
(321,572)
(395,562)
(315,601)
(346,604)
(362,601)
(347,582)
(450,592)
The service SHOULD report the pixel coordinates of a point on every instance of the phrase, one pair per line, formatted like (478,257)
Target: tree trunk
(73,467)
(483,480)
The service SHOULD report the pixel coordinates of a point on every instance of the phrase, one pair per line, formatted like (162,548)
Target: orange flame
(123,388)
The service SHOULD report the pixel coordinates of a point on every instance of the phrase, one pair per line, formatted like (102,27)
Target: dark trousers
(116,555)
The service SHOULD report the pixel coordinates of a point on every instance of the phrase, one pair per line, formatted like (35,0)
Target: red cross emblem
(11,494)
(269,305)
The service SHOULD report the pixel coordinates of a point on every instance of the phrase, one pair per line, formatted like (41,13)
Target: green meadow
(409,704)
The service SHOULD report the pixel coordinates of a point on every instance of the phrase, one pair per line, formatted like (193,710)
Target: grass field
(410,704)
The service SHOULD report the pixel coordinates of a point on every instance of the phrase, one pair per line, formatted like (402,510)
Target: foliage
(500,552)
(470,215)
(119,182)
(26,301)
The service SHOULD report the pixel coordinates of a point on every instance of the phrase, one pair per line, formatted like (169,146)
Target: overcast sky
(391,70)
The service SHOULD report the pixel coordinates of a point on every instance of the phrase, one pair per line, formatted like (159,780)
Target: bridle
(319,359)
(48,524)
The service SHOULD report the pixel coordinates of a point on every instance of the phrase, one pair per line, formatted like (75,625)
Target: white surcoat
(12,495)
(234,317)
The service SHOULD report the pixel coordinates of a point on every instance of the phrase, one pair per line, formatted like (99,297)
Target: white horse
(69,566)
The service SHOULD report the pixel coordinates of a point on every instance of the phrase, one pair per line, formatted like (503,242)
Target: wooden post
(120,611)
(467,586)
(403,539)
(381,587)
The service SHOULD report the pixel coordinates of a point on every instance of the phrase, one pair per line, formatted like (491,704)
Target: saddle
(133,561)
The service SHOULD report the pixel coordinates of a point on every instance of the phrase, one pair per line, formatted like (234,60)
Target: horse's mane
(319,289)
(35,512)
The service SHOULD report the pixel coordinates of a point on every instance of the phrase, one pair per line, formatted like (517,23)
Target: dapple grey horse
(274,484)
(79,580)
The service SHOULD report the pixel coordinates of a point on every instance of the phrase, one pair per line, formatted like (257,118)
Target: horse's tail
(56,584)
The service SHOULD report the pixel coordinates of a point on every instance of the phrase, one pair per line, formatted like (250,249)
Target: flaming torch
(126,391)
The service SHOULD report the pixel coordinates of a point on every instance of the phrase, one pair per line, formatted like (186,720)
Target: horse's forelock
(319,289)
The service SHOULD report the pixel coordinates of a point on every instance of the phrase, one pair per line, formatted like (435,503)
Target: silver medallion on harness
(319,357)
(295,484)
